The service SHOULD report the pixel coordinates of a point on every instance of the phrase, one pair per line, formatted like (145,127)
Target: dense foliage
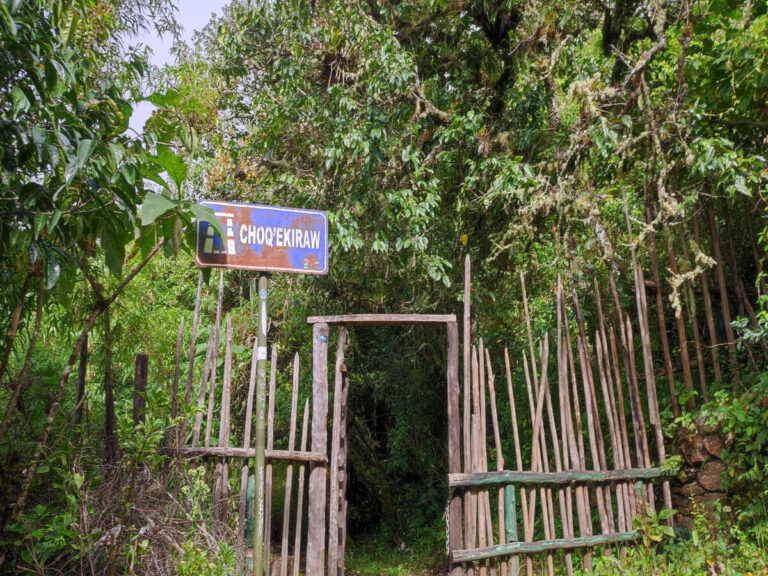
(428,129)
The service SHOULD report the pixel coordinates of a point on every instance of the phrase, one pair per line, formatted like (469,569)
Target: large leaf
(206,214)
(84,151)
(172,164)
(113,244)
(154,206)
(20,101)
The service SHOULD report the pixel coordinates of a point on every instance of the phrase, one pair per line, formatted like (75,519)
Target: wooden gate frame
(317,532)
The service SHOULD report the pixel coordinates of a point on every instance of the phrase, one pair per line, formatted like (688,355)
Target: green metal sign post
(261,428)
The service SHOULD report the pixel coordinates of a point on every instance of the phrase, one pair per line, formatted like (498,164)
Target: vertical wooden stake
(713,340)
(241,516)
(300,494)
(333,463)
(191,358)
(270,445)
(214,362)
(454,441)
(289,469)
(509,501)
(173,437)
(317,472)
(691,304)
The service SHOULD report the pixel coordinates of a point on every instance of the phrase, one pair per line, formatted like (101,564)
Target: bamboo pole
(515,561)
(663,339)
(713,341)
(270,446)
(214,362)
(499,454)
(241,514)
(691,304)
(594,432)
(300,493)
(191,358)
(681,335)
(477,452)
(720,276)
(289,469)
(221,485)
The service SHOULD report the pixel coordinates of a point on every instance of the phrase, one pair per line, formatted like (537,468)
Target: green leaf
(154,206)
(84,151)
(7,20)
(206,214)
(52,271)
(173,165)
(20,101)
(113,245)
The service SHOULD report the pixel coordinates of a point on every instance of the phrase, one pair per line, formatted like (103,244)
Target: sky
(192,15)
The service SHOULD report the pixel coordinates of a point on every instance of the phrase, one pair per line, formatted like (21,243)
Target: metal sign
(264,238)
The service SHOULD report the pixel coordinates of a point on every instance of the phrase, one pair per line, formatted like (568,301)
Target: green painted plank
(547,478)
(510,513)
(540,546)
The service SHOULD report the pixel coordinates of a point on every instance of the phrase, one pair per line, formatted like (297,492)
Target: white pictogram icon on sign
(230,249)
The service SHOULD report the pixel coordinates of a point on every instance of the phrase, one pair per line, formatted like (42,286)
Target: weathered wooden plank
(289,470)
(300,495)
(457,480)
(382,319)
(454,439)
(270,446)
(541,546)
(317,474)
(333,506)
(241,513)
(222,452)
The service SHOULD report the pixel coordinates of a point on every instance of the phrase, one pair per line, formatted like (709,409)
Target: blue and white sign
(264,238)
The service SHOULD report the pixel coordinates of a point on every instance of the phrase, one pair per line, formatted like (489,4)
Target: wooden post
(664,340)
(261,425)
(454,441)
(681,335)
(300,494)
(173,437)
(270,446)
(317,472)
(691,304)
(241,516)
(713,341)
(191,357)
(140,388)
(333,506)
(289,470)
(221,492)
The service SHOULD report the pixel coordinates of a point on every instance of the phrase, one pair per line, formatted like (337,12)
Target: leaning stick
(622,419)
(270,446)
(222,468)
(694,323)
(578,451)
(596,448)
(720,276)
(604,372)
(214,362)
(515,561)
(289,469)
(499,454)
(483,446)
(713,341)
(173,438)
(241,517)
(203,389)
(477,453)
(537,456)
(558,468)
(664,340)
(192,349)
(681,335)
(300,495)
